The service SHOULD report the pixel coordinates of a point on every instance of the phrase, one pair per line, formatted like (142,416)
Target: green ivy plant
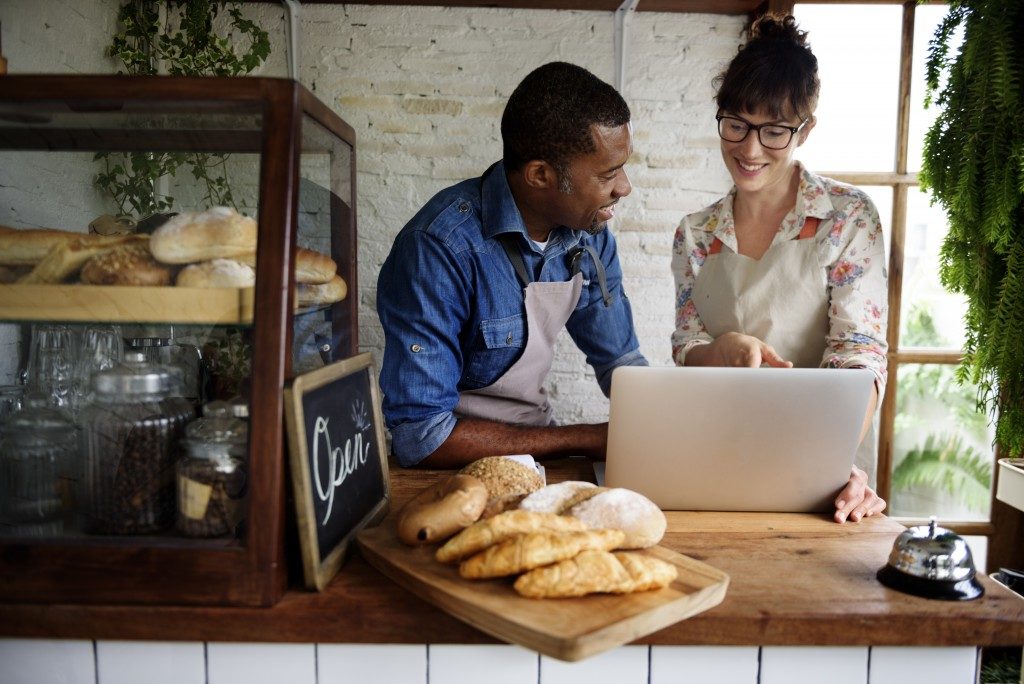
(974,167)
(183,43)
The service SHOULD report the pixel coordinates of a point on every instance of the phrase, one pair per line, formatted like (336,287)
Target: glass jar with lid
(39,451)
(212,473)
(132,431)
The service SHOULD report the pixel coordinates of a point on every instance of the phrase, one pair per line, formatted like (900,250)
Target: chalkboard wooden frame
(321,564)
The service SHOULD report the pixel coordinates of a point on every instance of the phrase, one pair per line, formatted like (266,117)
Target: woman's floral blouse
(850,250)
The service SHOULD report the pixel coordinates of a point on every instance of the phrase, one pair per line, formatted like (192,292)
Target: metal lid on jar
(142,342)
(134,376)
(239,407)
(219,429)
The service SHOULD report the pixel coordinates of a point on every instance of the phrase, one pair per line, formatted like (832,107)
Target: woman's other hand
(736,349)
(857,500)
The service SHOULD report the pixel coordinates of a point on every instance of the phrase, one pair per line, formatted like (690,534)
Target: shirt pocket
(498,344)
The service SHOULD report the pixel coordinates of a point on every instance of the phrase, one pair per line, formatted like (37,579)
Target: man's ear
(540,175)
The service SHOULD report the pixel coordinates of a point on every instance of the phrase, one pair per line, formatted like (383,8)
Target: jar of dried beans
(212,474)
(131,434)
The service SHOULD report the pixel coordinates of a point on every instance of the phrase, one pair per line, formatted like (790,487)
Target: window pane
(930,316)
(926,19)
(856,129)
(942,454)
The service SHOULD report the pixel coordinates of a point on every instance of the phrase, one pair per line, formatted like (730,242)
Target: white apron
(519,396)
(781,299)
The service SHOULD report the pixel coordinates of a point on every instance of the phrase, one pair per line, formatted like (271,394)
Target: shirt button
(416,348)
(464,207)
(508,340)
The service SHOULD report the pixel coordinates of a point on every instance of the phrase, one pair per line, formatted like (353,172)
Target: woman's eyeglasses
(772,136)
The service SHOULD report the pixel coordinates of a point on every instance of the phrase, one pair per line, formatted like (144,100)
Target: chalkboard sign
(339,465)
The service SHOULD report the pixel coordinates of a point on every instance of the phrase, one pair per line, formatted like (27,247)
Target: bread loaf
(307,294)
(126,265)
(597,572)
(508,481)
(217,273)
(310,266)
(626,510)
(484,533)
(66,258)
(28,246)
(528,551)
(560,497)
(218,233)
(442,510)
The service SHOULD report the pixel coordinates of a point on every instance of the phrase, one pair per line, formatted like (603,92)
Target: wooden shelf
(89,303)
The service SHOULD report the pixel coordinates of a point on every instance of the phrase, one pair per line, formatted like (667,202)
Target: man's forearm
(475,438)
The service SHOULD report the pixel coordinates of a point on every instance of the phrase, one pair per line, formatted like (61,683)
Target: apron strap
(574,267)
(809,230)
(508,242)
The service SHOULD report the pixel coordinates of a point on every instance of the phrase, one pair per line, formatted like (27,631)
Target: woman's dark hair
(549,115)
(775,72)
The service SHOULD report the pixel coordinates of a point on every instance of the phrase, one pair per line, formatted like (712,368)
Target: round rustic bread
(130,264)
(217,273)
(559,497)
(507,482)
(626,510)
(217,233)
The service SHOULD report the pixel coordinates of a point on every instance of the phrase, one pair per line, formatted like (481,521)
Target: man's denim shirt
(453,313)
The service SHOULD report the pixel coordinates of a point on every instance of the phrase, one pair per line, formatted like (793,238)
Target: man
(481,281)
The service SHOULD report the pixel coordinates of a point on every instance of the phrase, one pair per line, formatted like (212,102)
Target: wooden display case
(298,179)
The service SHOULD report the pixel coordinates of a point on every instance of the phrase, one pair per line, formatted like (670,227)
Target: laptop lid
(735,439)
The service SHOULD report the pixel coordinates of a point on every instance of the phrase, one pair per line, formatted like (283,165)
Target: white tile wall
(901,664)
(626,665)
(699,664)
(231,663)
(155,662)
(30,661)
(376,663)
(455,664)
(35,661)
(803,665)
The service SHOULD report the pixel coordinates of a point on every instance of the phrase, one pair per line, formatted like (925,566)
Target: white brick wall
(424,88)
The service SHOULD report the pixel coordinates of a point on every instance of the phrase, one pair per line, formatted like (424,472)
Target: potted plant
(974,167)
(180,38)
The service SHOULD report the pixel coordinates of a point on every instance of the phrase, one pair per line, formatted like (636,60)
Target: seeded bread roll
(126,265)
(507,481)
(310,266)
(217,233)
(626,510)
(217,273)
(66,259)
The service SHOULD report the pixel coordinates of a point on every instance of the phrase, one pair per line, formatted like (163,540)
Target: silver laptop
(735,439)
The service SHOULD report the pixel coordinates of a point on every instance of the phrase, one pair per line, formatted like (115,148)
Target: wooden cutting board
(567,629)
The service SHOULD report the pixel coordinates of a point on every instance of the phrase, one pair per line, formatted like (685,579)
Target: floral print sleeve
(858,292)
(689,249)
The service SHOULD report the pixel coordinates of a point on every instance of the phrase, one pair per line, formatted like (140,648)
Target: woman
(788,269)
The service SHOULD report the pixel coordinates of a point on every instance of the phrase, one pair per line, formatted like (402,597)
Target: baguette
(528,551)
(67,258)
(311,267)
(307,294)
(27,247)
(484,533)
(593,572)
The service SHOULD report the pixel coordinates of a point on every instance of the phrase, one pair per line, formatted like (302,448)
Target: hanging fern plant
(974,167)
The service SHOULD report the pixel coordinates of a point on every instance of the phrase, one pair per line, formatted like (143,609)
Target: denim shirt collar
(500,214)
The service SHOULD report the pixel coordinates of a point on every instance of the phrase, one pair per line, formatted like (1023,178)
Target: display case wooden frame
(176,570)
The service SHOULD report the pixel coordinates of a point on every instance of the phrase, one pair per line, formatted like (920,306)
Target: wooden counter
(795,580)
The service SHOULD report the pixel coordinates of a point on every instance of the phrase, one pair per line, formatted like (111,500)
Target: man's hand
(736,349)
(857,500)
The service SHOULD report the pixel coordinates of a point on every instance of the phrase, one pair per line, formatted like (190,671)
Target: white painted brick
(377,663)
(698,664)
(812,665)
(899,664)
(458,664)
(624,665)
(30,661)
(256,663)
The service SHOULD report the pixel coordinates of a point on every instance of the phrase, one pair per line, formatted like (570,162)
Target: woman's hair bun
(780,27)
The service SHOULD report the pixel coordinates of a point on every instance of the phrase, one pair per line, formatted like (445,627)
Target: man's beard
(565,187)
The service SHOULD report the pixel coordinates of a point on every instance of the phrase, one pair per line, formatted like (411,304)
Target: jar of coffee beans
(212,474)
(132,432)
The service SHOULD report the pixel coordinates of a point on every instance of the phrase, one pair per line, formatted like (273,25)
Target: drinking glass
(51,363)
(11,397)
(102,348)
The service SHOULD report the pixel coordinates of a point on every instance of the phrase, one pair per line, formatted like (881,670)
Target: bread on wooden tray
(484,533)
(28,246)
(216,273)
(440,511)
(527,551)
(311,294)
(310,266)
(508,481)
(67,258)
(217,233)
(596,571)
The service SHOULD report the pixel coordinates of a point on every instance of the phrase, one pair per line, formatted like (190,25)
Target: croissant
(527,551)
(484,533)
(597,571)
